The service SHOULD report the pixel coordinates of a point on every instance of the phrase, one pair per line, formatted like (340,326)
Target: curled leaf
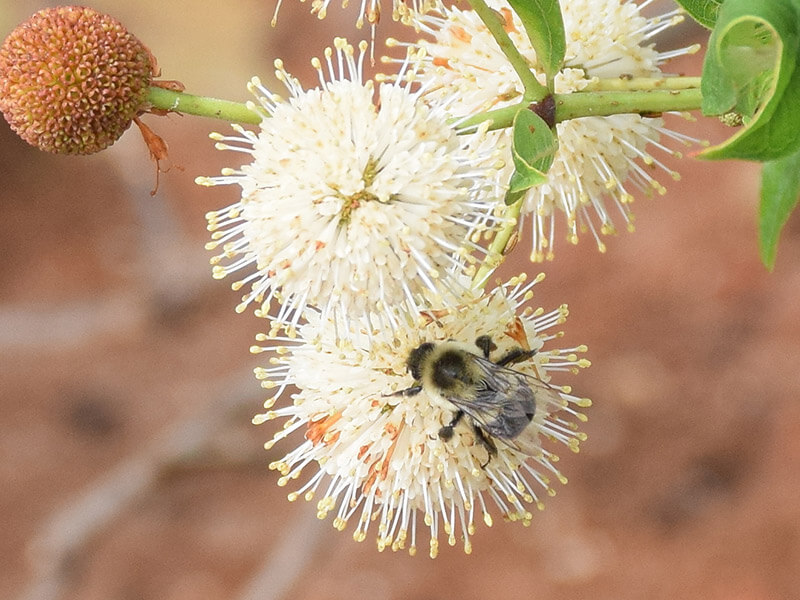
(750,69)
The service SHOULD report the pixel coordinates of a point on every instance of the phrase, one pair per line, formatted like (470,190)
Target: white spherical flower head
(351,206)
(599,159)
(376,444)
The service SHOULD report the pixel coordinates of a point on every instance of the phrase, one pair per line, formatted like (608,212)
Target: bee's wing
(504,404)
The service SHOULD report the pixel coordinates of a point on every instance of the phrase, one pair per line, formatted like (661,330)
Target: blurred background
(130,470)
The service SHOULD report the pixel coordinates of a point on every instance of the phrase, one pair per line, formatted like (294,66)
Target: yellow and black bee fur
(499,401)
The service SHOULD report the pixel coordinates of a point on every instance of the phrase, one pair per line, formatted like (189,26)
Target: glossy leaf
(780,189)
(534,145)
(545,28)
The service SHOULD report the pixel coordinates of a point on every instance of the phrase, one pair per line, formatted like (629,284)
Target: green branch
(644,102)
(497,249)
(202,106)
(607,97)
(633,84)
(678,95)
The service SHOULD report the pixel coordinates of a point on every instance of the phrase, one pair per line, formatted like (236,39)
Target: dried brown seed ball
(72,80)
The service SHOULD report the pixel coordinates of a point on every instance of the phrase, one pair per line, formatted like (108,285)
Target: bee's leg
(514,356)
(412,391)
(446,432)
(486,442)
(485,343)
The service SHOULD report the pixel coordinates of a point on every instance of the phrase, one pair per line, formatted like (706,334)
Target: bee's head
(416,357)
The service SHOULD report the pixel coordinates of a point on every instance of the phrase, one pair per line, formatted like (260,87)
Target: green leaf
(533,147)
(702,11)
(545,28)
(513,197)
(750,69)
(780,189)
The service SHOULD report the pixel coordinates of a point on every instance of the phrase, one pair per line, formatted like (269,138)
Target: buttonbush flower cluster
(364,452)
(55,89)
(358,200)
(600,161)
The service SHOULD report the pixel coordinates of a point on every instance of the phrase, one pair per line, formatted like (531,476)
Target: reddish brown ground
(123,364)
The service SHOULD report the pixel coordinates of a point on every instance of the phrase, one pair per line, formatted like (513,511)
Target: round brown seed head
(72,80)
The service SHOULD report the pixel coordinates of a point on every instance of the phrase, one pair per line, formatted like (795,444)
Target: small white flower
(352,207)
(366,453)
(600,160)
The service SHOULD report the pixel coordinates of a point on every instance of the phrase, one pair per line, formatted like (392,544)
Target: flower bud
(73,79)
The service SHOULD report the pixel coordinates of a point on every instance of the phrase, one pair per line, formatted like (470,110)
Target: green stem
(607,97)
(619,84)
(497,248)
(604,103)
(202,106)
(533,89)
(585,104)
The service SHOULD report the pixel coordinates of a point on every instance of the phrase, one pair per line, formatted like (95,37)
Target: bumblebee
(499,401)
